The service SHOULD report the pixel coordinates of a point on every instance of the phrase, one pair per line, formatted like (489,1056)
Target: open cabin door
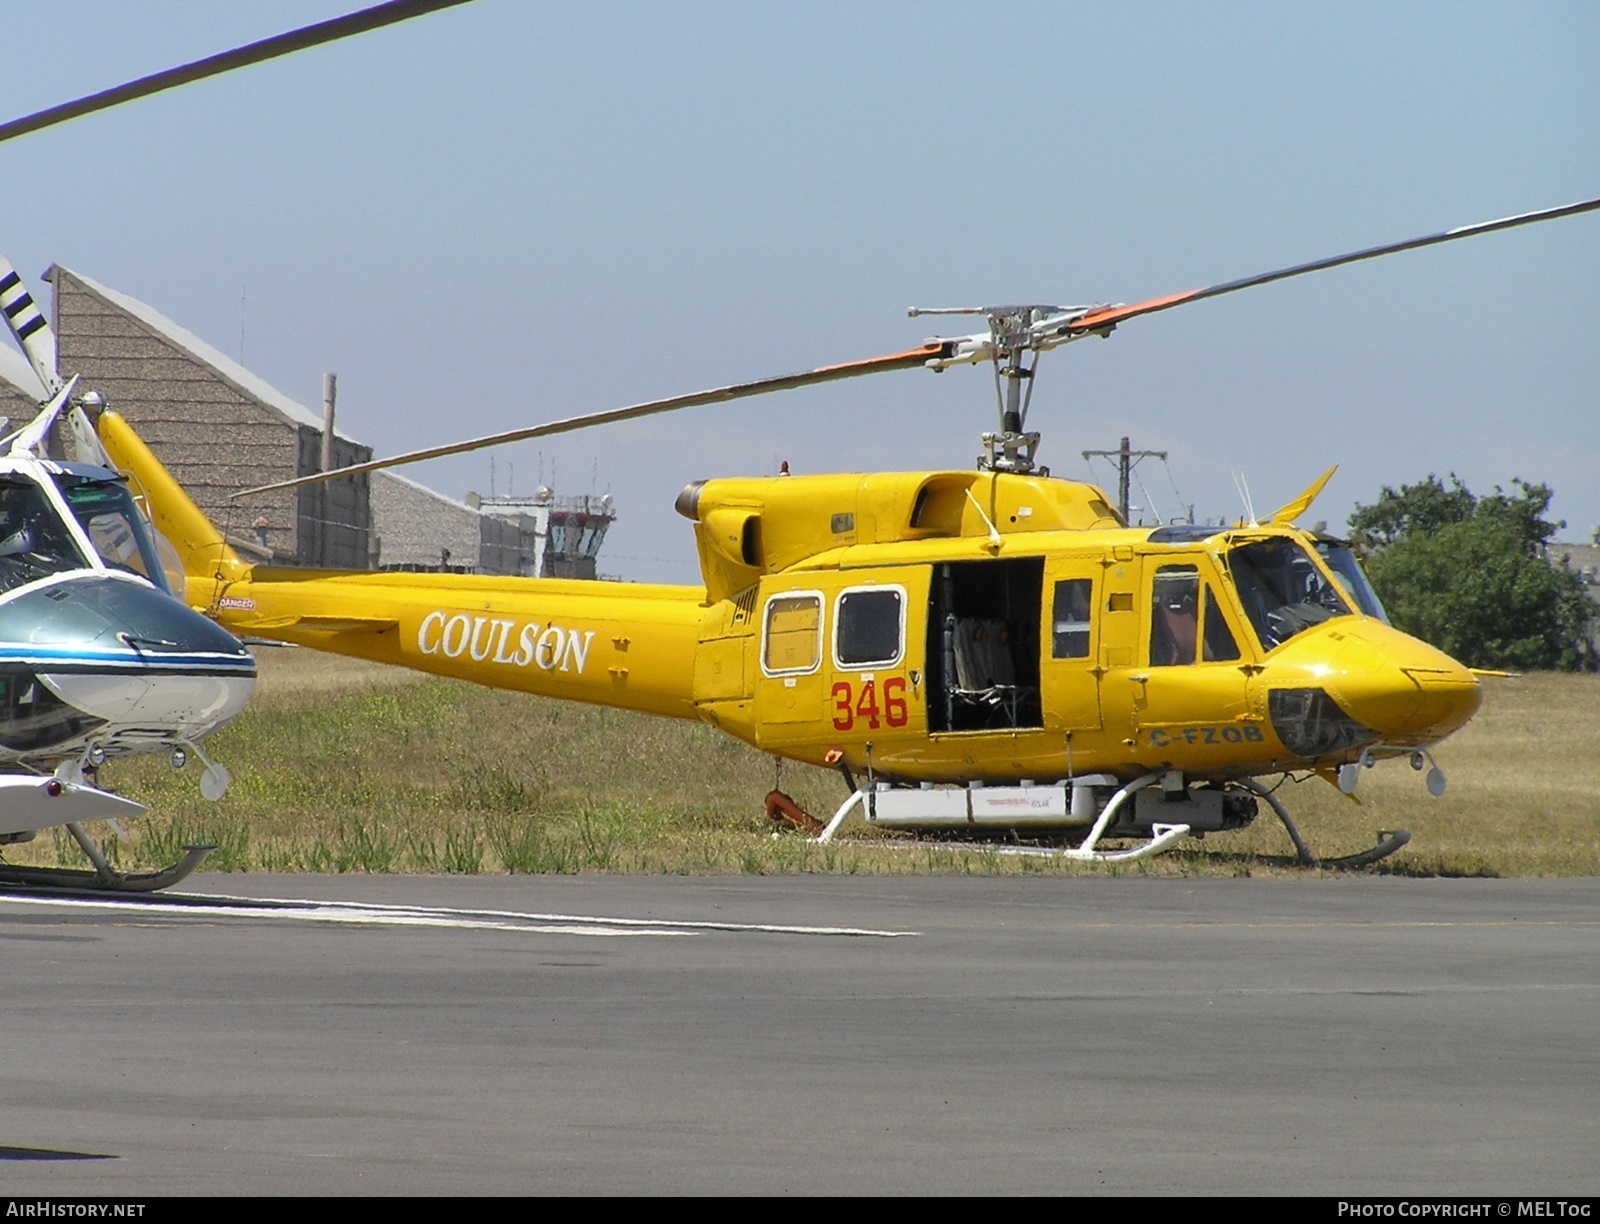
(983,640)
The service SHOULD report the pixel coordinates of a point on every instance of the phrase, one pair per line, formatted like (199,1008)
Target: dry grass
(346,766)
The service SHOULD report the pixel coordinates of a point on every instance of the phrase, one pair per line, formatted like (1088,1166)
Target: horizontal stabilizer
(324,624)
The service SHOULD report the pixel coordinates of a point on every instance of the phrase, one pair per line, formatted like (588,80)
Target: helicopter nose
(1402,688)
(120,650)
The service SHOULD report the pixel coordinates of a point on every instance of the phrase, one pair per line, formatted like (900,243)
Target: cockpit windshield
(34,540)
(1283,591)
(105,509)
(1352,577)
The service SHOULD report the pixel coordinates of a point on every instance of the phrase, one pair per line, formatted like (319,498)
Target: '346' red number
(850,704)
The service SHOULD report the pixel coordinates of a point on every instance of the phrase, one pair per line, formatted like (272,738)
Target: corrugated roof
(252,385)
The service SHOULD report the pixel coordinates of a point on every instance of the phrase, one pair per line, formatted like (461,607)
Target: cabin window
(869,628)
(793,634)
(1069,633)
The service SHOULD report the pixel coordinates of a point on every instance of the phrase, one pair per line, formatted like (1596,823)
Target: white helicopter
(97,658)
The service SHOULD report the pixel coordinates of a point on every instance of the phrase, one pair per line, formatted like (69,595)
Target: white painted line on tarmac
(346,915)
(353,913)
(653,923)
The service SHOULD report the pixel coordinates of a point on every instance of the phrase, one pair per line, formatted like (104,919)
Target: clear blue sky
(512,211)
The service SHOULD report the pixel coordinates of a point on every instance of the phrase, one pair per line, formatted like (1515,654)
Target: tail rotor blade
(28,326)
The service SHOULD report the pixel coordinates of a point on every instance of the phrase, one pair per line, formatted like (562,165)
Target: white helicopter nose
(119,650)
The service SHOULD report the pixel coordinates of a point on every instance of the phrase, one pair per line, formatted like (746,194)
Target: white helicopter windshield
(34,541)
(1282,589)
(105,509)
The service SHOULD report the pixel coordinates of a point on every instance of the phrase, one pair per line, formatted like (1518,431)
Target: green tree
(1469,575)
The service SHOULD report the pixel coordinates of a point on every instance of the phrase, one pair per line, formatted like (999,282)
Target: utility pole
(1125,459)
(325,550)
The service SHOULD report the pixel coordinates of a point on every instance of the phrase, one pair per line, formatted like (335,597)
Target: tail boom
(618,644)
(629,646)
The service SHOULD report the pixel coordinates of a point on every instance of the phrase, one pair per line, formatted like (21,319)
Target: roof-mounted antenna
(1243,486)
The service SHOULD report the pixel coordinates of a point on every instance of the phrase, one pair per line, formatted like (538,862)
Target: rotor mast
(1017,336)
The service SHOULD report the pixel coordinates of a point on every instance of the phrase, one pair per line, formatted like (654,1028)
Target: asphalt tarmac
(804,1035)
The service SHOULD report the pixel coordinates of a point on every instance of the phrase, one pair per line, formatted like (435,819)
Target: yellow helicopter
(978,652)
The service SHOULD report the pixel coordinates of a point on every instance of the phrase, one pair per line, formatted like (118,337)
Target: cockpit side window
(34,542)
(1174,615)
(1219,645)
(1282,589)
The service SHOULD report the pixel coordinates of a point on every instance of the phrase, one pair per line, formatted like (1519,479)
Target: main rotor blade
(909,359)
(268,48)
(1107,317)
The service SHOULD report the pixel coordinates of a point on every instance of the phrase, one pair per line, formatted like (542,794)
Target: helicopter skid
(1162,837)
(29,803)
(1062,807)
(105,878)
(1012,809)
(1389,840)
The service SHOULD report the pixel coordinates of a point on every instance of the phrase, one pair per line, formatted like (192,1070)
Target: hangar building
(219,428)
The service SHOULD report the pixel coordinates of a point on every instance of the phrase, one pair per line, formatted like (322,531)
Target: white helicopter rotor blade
(84,439)
(28,326)
(30,439)
(934,350)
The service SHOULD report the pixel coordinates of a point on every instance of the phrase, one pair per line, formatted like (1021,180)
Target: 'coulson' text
(488,639)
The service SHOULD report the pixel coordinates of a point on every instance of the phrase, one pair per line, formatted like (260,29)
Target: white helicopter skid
(1016,809)
(29,803)
(1075,804)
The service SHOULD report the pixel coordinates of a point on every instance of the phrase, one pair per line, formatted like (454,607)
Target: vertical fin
(204,552)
